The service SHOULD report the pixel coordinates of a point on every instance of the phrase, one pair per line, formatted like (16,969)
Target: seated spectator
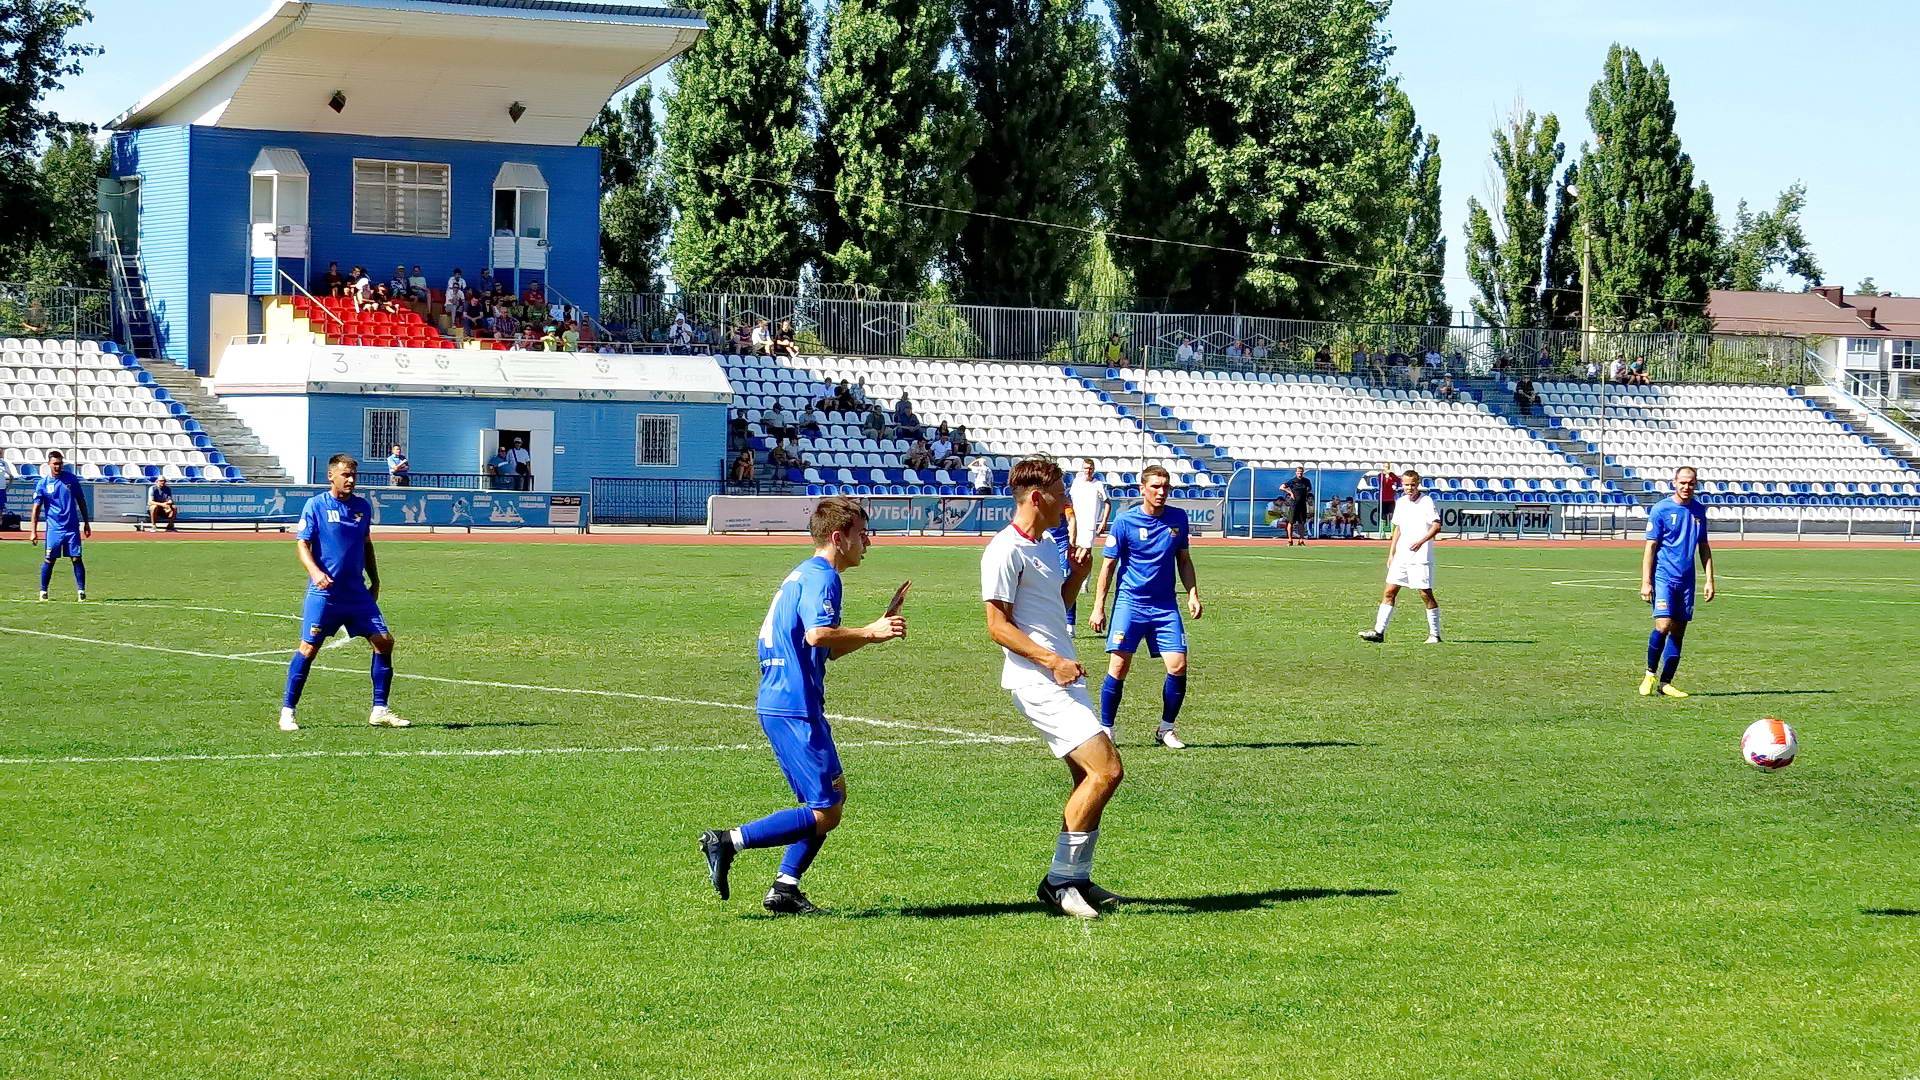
(472,318)
(777,424)
(550,341)
(456,298)
(1259,350)
(1323,359)
(742,468)
(417,285)
(1114,354)
(1187,353)
(860,391)
(905,424)
(334,283)
(384,299)
(843,398)
(1330,523)
(961,444)
(943,455)
(1350,514)
(503,326)
(1545,363)
(759,340)
(1457,365)
(397,284)
(942,431)
(486,286)
(1377,367)
(875,424)
(1525,396)
(920,456)
(1593,371)
(812,421)
(365,298)
(742,340)
(784,457)
(528,341)
(1446,389)
(1360,360)
(1237,351)
(783,344)
(1433,361)
(535,297)
(1617,371)
(736,429)
(1637,372)
(980,476)
(1416,371)
(160,498)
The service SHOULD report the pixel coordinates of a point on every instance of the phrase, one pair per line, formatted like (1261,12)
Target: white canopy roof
(514,174)
(447,69)
(278,162)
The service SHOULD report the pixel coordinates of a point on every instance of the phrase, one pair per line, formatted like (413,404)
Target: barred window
(656,441)
(401,198)
(384,428)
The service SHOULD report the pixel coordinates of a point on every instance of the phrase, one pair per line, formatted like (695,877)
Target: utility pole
(1586,294)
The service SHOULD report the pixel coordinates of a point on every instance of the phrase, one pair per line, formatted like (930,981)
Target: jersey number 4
(766,624)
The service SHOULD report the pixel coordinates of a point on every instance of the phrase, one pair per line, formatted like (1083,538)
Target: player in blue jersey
(800,634)
(1145,546)
(335,543)
(1676,537)
(69,520)
(1062,534)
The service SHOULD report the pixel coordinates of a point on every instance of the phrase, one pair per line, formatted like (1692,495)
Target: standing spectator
(550,341)
(1389,494)
(680,335)
(980,476)
(399,473)
(1416,371)
(417,285)
(1525,397)
(456,297)
(486,286)
(522,465)
(160,504)
(743,468)
(570,336)
(500,470)
(875,424)
(1300,490)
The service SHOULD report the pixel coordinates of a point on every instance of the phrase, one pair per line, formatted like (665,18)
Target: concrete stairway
(1496,398)
(1864,426)
(235,440)
(1165,430)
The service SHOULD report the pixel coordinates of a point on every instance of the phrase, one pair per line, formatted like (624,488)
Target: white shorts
(1414,573)
(1062,714)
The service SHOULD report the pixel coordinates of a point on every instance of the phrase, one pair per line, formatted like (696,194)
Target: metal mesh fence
(29,309)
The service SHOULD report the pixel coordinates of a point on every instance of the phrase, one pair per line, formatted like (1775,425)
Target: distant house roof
(1823,311)
(447,69)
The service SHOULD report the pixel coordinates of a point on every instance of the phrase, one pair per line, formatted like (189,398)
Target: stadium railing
(443,480)
(32,309)
(624,500)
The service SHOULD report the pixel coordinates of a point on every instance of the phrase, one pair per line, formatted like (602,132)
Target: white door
(538,424)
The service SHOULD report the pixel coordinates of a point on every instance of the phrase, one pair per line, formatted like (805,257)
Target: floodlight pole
(1586,292)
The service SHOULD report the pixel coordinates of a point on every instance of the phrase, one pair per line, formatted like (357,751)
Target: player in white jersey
(1416,521)
(1087,499)
(1026,592)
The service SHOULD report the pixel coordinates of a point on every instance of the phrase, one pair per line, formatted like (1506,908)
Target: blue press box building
(437,133)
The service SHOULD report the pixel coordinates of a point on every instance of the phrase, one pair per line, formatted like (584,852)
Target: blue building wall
(204,235)
(598,435)
(161,158)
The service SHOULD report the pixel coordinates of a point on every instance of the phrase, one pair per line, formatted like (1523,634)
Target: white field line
(1616,585)
(114,604)
(624,695)
(493,752)
(287,650)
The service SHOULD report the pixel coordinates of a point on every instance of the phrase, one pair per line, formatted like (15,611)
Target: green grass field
(1483,859)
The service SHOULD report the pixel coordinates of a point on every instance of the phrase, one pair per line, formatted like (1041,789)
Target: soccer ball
(1769,744)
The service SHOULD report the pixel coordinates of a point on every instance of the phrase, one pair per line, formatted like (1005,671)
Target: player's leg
(1681,607)
(1065,717)
(1385,614)
(1657,640)
(1123,639)
(366,621)
(1433,616)
(79,567)
(318,622)
(1170,640)
(46,570)
(811,765)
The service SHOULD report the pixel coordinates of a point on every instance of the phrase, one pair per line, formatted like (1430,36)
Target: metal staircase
(132,314)
(231,435)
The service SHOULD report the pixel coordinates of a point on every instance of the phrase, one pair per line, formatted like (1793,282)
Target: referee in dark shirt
(1301,489)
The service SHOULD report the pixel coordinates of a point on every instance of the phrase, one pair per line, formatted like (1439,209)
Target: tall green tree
(67,180)
(1507,256)
(36,57)
(1560,301)
(1868,287)
(895,136)
(1409,284)
(1035,77)
(1759,244)
(737,143)
(1259,128)
(1654,234)
(634,209)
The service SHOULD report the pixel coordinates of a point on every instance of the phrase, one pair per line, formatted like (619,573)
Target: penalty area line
(490,752)
(623,695)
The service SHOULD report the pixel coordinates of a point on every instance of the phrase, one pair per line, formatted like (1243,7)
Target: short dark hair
(55,455)
(833,514)
(342,459)
(1032,473)
(1156,470)
(1687,468)
(1415,473)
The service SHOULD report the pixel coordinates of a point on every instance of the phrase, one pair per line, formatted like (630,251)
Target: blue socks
(382,677)
(1656,647)
(778,829)
(799,855)
(297,671)
(46,574)
(1110,692)
(1670,657)
(79,575)
(1172,693)
(1072,609)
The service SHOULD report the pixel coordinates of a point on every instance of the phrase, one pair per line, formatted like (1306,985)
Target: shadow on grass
(1892,912)
(1159,905)
(1303,745)
(463,725)
(1492,641)
(1758,693)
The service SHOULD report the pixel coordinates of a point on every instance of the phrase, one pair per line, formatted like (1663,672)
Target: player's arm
(373,569)
(1101,588)
(1706,564)
(314,574)
(1433,530)
(1190,580)
(1001,628)
(1646,570)
(841,640)
(86,512)
(33,521)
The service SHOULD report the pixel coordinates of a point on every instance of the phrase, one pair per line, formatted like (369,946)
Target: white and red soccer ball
(1769,744)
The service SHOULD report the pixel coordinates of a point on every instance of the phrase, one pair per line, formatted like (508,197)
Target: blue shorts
(323,615)
(808,757)
(63,545)
(1161,627)
(1673,599)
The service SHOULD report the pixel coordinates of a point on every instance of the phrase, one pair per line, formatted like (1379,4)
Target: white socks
(1433,621)
(1072,857)
(1384,617)
(738,839)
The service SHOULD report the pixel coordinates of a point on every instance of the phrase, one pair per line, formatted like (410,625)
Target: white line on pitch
(113,604)
(490,752)
(624,695)
(287,650)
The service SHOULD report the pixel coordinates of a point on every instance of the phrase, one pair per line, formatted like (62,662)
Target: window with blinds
(401,198)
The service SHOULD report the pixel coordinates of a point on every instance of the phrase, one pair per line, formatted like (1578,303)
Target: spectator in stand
(1389,489)
(843,398)
(473,316)
(1237,351)
(456,297)
(529,339)
(570,336)
(905,424)
(680,335)
(397,284)
(1545,363)
(1525,397)
(1115,353)
(486,286)
(1446,389)
(783,344)
(875,424)
(550,341)
(335,283)
(742,468)
(860,391)
(535,297)
(399,472)
(1416,371)
(503,326)
(1435,363)
(742,340)
(1637,372)
(919,456)
(980,476)
(1187,354)
(736,429)
(500,470)
(364,297)
(159,502)
(776,423)
(962,445)
(812,421)
(1617,371)
(1397,367)
(943,455)
(1593,371)
(1377,367)
(1360,359)
(522,464)
(783,456)
(417,285)
(1323,359)
(1350,515)
(385,300)
(760,341)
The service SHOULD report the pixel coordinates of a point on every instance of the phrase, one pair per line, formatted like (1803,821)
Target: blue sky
(1767,91)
